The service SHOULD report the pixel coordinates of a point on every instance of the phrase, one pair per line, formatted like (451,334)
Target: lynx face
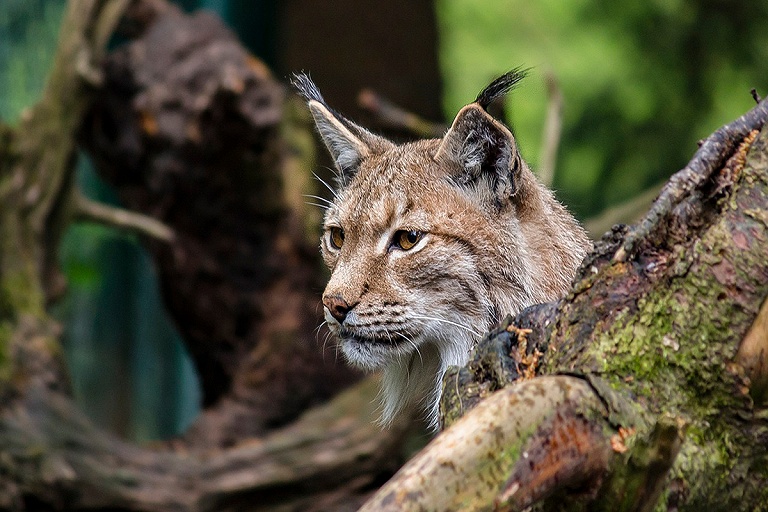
(430,243)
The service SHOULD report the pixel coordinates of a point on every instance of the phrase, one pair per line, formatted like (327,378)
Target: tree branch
(301,465)
(393,116)
(710,157)
(89,210)
(516,447)
(553,129)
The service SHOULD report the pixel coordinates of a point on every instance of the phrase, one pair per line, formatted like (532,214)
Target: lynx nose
(338,307)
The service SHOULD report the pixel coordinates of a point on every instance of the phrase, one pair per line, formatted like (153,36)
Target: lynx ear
(347,142)
(347,150)
(482,151)
(481,148)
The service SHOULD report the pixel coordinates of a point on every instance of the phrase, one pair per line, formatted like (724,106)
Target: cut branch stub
(567,450)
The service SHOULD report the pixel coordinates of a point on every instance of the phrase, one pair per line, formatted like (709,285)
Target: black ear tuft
(501,86)
(347,142)
(306,87)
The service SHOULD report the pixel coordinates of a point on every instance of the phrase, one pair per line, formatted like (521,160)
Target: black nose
(337,306)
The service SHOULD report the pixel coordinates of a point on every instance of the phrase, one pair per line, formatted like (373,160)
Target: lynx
(430,243)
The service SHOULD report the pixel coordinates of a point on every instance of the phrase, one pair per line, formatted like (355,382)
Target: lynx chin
(430,243)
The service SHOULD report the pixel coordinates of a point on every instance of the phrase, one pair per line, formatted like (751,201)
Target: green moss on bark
(673,347)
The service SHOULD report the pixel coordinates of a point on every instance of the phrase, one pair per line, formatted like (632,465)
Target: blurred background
(640,83)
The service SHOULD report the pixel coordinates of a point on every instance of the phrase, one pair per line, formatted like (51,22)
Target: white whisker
(328,336)
(319,198)
(443,320)
(413,344)
(335,195)
(321,206)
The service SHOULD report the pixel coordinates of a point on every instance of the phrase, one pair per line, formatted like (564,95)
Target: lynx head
(430,243)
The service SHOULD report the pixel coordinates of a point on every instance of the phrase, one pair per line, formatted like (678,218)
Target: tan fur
(492,245)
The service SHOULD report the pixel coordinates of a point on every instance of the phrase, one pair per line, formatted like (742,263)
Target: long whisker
(326,185)
(319,198)
(443,320)
(325,337)
(325,341)
(328,336)
(317,329)
(411,343)
(321,206)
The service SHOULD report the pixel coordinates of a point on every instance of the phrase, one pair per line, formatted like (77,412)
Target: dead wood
(189,128)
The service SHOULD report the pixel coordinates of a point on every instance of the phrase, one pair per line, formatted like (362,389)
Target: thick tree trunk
(645,387)
(195,132)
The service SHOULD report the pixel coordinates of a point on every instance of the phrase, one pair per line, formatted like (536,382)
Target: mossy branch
(515,448)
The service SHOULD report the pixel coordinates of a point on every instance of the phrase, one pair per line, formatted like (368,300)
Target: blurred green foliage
(28,32)
(642,81)
(129,368)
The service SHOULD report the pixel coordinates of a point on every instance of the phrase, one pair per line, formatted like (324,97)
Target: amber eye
(405,240)
(336,237)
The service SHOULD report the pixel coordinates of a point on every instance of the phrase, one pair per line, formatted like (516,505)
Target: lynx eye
(336,237)
(405,240)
